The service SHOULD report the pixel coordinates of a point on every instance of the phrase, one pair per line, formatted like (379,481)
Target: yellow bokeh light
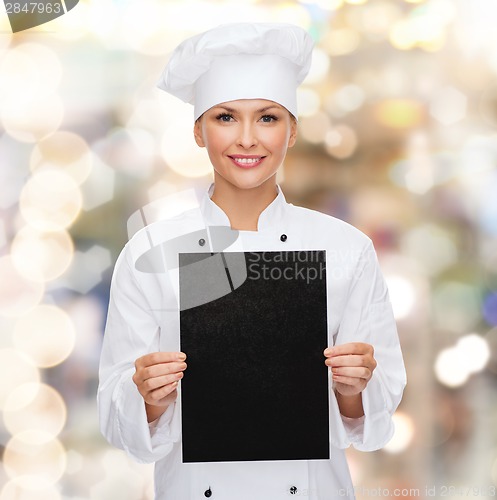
(35,407)
(14,490)
(17,294)
(33,121)
(16,369)
(289,12)
(356,2)
(42,256)
(34,459)
(399,113)
(63,150)
(46,335)
(341,41)
(50,200)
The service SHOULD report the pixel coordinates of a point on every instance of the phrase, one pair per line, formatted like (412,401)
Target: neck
(243,206)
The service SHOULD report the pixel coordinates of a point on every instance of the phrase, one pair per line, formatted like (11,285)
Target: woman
(242,80)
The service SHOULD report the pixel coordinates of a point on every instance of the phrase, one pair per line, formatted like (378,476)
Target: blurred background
(397,135)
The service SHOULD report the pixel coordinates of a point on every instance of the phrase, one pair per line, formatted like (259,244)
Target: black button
(293,490)
(283,237)
(208,492)
(201,242)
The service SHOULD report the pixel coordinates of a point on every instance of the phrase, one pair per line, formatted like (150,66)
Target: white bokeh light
(402,295)
(403,435)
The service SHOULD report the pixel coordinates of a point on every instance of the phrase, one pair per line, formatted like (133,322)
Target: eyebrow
(261,110)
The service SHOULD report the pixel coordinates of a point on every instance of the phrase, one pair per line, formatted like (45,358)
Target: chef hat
(239,61)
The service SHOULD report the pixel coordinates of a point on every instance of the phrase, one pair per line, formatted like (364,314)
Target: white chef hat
(239,61)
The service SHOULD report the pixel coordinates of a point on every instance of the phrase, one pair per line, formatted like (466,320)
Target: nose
(247,135)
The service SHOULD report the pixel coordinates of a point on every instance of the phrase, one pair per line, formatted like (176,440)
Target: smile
(247,161)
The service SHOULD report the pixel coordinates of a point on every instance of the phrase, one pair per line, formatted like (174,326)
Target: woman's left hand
(352,366)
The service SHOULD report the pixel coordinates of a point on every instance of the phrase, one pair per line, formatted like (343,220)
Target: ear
(293,133)
(197,133)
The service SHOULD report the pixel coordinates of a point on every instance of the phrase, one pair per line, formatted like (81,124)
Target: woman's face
(246,139)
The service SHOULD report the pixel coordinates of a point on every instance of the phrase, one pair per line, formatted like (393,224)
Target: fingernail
(328,351)
(181,357)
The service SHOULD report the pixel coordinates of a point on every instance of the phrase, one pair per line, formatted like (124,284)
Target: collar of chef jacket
(270,216)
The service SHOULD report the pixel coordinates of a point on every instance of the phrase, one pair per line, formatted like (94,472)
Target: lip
(248,165)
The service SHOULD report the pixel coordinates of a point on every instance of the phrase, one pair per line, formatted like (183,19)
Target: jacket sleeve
(131,331)
(368,317)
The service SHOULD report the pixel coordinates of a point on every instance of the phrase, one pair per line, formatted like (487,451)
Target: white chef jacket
(143,317)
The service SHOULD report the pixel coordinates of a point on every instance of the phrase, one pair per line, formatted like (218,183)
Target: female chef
(242,80)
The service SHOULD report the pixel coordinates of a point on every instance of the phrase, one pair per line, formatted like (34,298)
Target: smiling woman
(247,141)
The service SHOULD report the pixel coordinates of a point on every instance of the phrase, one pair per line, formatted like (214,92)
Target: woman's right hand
(156,376)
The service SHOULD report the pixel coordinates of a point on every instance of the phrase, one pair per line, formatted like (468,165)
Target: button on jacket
(143,317)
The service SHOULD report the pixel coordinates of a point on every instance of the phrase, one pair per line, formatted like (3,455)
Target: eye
(221,117)
(269,118)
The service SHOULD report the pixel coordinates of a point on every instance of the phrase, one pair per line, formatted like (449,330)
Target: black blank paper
(256,386)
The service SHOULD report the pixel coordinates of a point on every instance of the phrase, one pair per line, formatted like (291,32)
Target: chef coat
(143,317)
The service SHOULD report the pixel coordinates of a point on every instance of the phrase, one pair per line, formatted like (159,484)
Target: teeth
(246,160)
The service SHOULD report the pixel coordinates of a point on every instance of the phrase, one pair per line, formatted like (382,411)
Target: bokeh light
(403,435)
(46,335)
(63,150)
(41,256)
(455,364)
(341,141)
(399,113)
(17,293)
(16,369)
(308,101)
(36,407)
(50,200)
(33,121)
(319,67)
(341,41)
(402,295)
(14,490)
(180,151)
(314,128)
(34,459)
(448,105)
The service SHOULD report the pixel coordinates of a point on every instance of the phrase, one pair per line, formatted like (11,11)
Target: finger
(155,396)
(349,348)
(155,358)
(161,369)
(350,360)
(350,381)
(359,372)
(152,384)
